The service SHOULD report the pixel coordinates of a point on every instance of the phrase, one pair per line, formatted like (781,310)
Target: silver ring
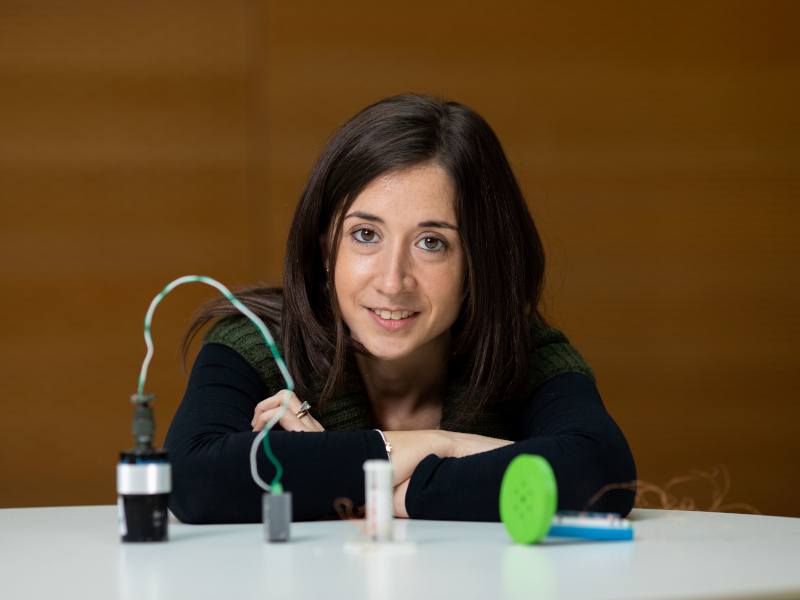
(304,408)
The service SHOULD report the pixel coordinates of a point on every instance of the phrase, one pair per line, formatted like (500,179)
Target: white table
(75,552)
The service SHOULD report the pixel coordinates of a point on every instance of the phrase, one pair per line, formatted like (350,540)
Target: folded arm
(211,434)
(566,423)
(209,444)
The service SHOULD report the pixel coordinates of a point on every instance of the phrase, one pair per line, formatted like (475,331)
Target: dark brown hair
(503,252)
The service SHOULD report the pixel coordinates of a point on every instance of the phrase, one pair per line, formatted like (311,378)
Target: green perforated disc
(528,498)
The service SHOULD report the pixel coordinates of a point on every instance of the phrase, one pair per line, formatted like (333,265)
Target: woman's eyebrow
(376,219)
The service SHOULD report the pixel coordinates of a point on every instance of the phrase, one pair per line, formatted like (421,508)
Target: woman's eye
(432,244)
(364,235)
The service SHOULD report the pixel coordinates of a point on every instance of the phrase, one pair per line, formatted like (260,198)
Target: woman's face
(399,265)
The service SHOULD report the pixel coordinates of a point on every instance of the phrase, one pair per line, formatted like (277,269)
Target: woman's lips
(391,325)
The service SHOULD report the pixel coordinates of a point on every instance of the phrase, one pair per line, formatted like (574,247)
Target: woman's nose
(395,276)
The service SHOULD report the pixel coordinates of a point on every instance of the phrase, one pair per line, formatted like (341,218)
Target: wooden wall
(657,143)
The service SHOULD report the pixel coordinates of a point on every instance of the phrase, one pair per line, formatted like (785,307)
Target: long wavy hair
(503,251)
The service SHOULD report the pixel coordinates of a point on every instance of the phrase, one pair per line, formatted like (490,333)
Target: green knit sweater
(552,355)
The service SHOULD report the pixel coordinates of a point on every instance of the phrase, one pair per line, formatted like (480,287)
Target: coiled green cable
(275,486)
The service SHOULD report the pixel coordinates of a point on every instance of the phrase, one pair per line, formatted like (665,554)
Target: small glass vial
(379,494)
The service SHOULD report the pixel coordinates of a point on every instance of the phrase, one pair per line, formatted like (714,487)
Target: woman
(408,317)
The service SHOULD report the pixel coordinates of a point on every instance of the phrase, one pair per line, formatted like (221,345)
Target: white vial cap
(378,466)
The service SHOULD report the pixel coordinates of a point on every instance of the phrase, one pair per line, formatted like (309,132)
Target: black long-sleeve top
(210,437)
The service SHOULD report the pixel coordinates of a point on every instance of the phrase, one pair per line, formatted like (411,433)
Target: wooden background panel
(125,163)
(657,144)
(658,148)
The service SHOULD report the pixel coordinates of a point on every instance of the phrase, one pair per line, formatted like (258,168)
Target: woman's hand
(400,500)
(467,444)
(411,447)
(445,443)
(267,409)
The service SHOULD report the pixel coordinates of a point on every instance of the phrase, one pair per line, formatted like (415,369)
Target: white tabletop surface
(75,552)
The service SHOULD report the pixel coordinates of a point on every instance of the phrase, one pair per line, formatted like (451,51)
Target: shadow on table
(645,516)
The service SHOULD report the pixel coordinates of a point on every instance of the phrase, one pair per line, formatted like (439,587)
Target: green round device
(528,498)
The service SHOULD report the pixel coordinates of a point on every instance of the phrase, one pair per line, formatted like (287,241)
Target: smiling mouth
(393,315)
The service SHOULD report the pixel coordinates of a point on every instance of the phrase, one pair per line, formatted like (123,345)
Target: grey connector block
(144,425)
(277,516)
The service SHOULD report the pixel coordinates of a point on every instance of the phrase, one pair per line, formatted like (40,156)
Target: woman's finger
(467,444)
(289,421)
(286,422)
(275,401)
(311,423)
(260,420)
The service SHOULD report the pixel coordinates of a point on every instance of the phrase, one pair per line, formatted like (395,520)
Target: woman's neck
(410,389)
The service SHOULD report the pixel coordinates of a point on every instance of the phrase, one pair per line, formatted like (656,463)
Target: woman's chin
(388,352)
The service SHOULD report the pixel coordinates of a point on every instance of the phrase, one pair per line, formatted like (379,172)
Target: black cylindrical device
(144,481)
